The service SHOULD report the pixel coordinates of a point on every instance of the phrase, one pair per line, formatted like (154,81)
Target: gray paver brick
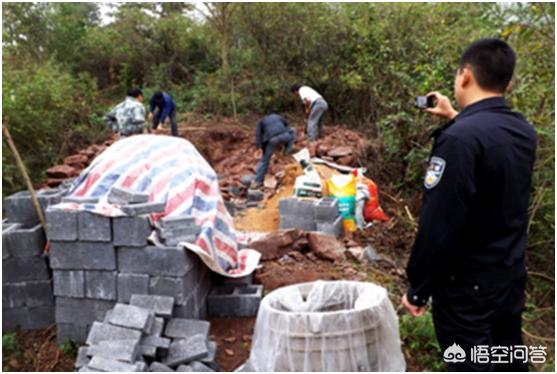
(168,286)
(19,208)
(81,311)
(80,199)
(158,327)
(125,350)
(82,256)
(104,364)
(130,316)
(61,225)
(177,222)
(158,367)
(165,261)
(183,328)
(200,367)
(156,341)
(326,209)
(235,302)
(93,227)
(7,227)
(121,195)
(160,305)
(103,331)
(38,293)
(25,242)
(71,332)
(69,283)
(147,350)
(28,318)
(129,284)
(183,351)
(334,228)
(100,285)
(144,208)
(131,231)
(20,269)
(82,358)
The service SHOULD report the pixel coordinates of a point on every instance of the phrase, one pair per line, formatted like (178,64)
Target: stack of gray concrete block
(235,297)
(173,230)
(311,215)
(98,261)
(144,335)
(27,300)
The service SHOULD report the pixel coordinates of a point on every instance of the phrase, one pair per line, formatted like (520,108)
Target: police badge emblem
(434,172)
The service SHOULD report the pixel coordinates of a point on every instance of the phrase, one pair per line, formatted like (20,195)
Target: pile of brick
(311,215)
(27,300)
(235,297)
(144,335)
(74,164)
(98,261)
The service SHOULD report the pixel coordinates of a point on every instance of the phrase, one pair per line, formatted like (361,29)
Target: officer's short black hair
(135,92)
(157,96)
(295,87)
(492,61)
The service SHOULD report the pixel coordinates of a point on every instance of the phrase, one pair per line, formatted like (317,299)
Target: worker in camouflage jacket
(128,117)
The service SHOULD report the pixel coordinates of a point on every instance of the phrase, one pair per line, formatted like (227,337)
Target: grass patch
(420,341)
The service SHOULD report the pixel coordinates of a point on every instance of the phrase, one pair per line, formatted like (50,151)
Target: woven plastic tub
(327,326)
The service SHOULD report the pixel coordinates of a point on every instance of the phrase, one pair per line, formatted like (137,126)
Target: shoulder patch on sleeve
(434,172)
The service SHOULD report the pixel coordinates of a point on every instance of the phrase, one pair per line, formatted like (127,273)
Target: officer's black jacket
(473,217)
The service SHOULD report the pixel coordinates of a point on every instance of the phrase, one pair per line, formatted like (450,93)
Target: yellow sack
(343,187)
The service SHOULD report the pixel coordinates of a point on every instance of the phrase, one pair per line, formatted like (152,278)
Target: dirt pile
(231,151)
(74,164)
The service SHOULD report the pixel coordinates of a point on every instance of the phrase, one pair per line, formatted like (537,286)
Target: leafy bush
(8,341)
(50,113)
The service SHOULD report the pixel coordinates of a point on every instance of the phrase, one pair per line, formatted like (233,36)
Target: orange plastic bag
(372,209)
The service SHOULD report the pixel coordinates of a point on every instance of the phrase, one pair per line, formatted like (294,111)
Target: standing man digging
(271,132)
(469,249)
(161,107)
(315,105)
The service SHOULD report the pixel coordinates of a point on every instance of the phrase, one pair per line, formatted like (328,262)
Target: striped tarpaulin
(170,170)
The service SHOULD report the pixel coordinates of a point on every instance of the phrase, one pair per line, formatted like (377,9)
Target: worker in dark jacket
(271,132)
(469,250)
(165,108)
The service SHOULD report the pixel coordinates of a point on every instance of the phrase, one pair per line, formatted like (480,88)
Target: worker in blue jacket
(271,131)
(165,108)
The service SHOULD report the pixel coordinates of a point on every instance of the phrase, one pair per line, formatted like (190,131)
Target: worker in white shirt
(315,105)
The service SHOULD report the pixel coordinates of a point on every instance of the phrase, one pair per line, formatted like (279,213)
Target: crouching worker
(271,132)
(161,107)
(128,117)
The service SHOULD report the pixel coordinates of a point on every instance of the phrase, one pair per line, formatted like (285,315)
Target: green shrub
(418,335)
(50,114)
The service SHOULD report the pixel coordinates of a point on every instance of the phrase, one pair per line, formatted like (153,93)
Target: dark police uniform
(469,250)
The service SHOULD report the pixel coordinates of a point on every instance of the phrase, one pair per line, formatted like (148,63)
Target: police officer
(469,251)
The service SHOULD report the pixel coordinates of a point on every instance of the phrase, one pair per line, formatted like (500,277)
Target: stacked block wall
(98,261)
(27,299)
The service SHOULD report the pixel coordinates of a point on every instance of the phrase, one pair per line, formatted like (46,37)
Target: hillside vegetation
(64,65)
